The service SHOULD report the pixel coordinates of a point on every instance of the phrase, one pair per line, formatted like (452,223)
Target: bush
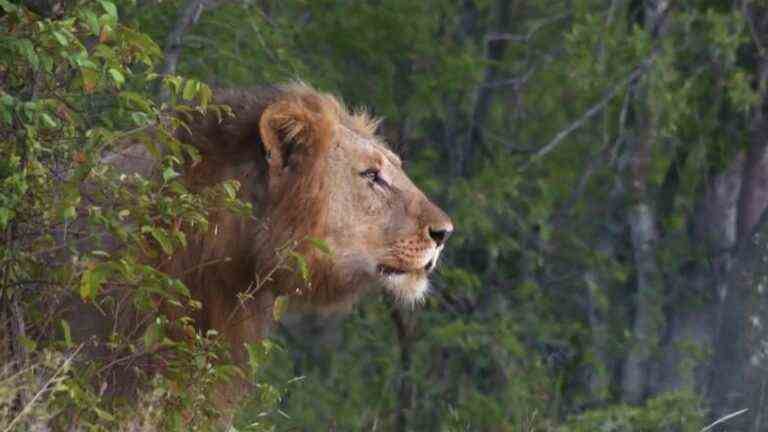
(75,89)
(668,412)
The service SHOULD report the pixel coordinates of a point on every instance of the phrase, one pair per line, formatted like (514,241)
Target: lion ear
(294,131)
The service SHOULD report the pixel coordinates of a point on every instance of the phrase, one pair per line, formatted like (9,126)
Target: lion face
(330,176)
(381,227)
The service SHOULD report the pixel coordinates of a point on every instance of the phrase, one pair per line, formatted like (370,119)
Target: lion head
(313,169)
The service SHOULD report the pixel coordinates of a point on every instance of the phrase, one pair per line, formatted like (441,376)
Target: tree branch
(28,406)
(596,108)
(639,71)
(404,329)
(188,17)
(495,49)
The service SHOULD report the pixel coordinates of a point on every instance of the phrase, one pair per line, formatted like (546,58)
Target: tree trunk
(405,326)
(644,234)
(188,16)
(641,219)
(693,324)
(597,287)
(496,46)
(648,317)
(735,379)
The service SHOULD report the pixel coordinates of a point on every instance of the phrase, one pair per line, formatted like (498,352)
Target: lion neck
(257,255)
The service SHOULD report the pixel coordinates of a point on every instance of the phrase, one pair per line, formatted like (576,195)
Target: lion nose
(440,234)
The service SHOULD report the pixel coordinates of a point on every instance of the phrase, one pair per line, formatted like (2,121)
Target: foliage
(669,412)
(74,226)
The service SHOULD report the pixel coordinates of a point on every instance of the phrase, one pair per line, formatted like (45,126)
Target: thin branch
(752,29)
(508,146)
(204,264)
(496,36)
(188,17)
(639,71)
(612,92)
(515,82)
(724,419)
(745,247)
(606,154)
(64,366)
(494,52)
(404,329)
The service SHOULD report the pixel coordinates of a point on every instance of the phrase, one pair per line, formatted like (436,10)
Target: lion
(312,169)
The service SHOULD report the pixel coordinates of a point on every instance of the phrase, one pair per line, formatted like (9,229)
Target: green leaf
(93,22)
(320,245)
(90,79)
(47,120)
(180,288)
(205,94)
(117,76)
(172,82)
(81,59)
(258,353)
(302,265)
(103,414)
(140,118)
(280,307)
(104,51)
(176,423)
(180,237)
(136,100)
(61,38)
(145,44)
(230,189)
(6,99)
(110,8)
(161,236)
(68,213)
(153,334)
(6,215)
(229,371)
(169,173)
(28,51)
(28,343)
(8,103)
(47,64)
(67,333)
(190,89)
(92,280)
(8,7)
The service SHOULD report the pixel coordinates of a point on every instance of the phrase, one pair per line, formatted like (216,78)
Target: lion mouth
(386,270)
(430,265)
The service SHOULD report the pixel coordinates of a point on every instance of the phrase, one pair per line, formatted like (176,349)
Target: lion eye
(372,174)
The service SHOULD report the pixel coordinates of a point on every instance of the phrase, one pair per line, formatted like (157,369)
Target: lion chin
(408,288)
(410,285)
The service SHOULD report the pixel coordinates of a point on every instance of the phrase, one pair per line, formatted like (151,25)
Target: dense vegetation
(605,163)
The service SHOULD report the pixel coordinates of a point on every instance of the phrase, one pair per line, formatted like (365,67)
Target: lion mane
(283,130)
